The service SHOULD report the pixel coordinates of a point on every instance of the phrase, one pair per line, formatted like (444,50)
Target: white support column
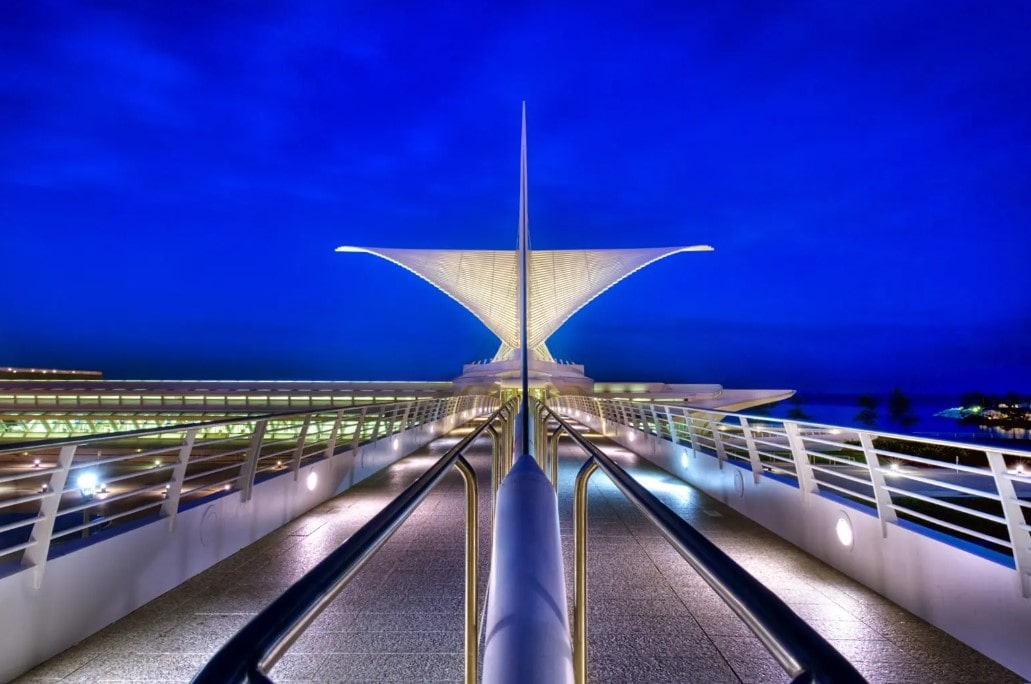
(803,470)
(885,513)
(721,453)
(1014,514)
(42,532)
(302,437)
(170,507)
(245,483)
(753,452)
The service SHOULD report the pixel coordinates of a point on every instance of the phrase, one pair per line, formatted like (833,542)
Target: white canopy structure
(561,282)
(558,282)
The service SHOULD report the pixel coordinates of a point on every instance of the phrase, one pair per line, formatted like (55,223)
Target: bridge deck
(651,617)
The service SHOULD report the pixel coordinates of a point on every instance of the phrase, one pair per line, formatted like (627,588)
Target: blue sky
(174,178)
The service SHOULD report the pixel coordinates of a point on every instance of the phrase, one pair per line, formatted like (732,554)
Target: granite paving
(651,618)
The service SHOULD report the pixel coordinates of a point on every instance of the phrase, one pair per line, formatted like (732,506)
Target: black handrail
(267,636)
(801,651)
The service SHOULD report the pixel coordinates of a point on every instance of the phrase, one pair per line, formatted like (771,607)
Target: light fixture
(35,463)
(279,464)
(226,488)
(312,480)
(843,529)
(87,483)
(157,462)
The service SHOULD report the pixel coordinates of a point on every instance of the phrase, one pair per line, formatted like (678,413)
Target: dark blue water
(841,409)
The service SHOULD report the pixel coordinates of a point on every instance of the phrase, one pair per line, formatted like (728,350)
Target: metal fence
(977,494)
(78,490)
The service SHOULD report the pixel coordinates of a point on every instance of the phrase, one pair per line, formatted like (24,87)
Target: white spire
(549,286)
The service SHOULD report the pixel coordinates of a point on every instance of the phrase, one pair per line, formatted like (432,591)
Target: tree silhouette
(868,409)
(796,412)
(900,409)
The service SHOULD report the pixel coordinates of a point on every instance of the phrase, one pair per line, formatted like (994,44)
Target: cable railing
(252,652)
(798,648)
(60,494)
(979,496)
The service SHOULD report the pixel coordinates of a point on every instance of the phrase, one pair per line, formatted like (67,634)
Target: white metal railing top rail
(54,492)
(978,496)
(195,400)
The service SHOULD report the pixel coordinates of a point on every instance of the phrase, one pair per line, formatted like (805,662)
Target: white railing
(238,400)
(977,494)
(54,492)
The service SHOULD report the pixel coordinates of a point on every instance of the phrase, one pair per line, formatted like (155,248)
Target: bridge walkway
(651,618)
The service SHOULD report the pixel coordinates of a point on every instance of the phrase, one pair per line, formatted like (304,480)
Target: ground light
(843,529)
(313,479)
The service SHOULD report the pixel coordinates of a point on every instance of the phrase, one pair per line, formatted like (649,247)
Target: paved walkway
(651,618)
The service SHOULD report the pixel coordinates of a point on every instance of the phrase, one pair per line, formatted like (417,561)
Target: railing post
(721,453)
(655,421)
(554,456)
(302,437)
(580,570)
(803,470)
(375,426)
(671,426)
(691,433)
(170,507)
(245,483)
(1014,514)
(495,461)
(472,632)
(356,438)
(43,529)
(545,441)
(331,445)
(623,419)
(753,452)
(881,495)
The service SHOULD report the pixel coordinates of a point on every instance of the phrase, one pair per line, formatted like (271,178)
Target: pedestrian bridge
(138,555)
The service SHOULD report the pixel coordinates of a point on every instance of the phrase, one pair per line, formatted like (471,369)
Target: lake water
(841,409)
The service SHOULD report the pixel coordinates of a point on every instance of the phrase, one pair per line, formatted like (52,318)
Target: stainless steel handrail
(797,647)
(254,650)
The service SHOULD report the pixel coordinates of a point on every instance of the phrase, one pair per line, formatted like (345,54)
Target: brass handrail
(798,648)
(252,652)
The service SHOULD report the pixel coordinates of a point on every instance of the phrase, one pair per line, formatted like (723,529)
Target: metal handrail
(798,648)
(47,492)
(1008,469)
(250,654)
